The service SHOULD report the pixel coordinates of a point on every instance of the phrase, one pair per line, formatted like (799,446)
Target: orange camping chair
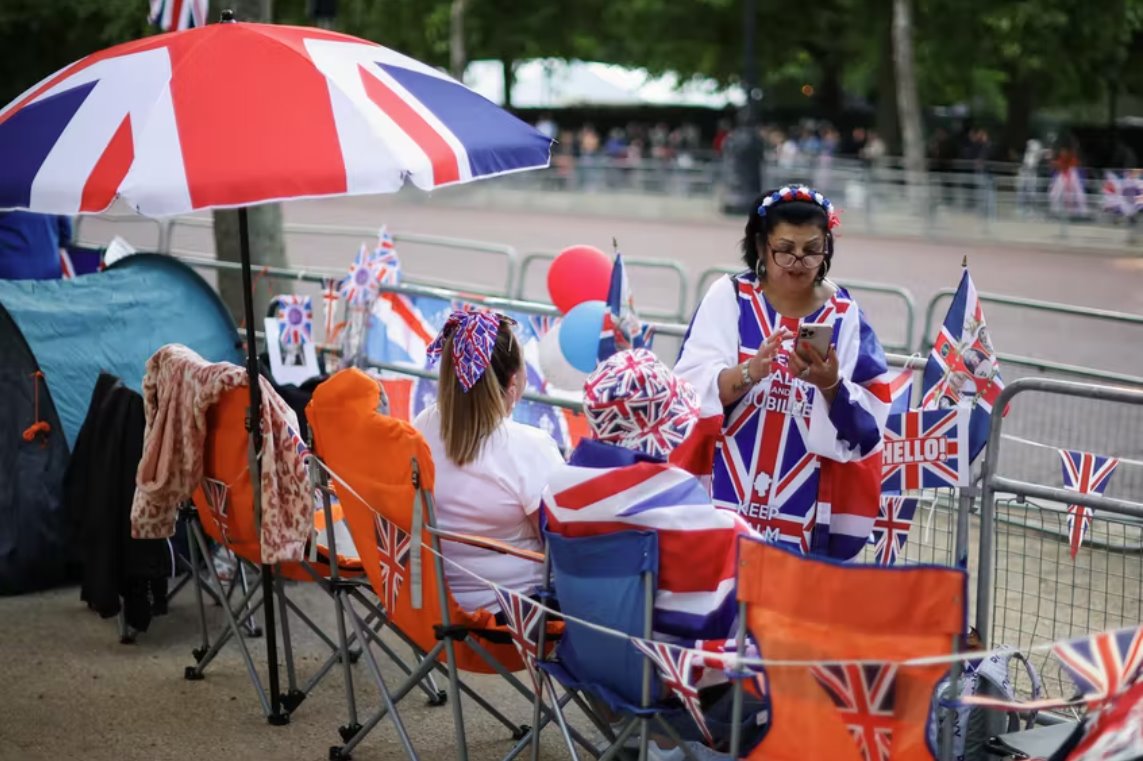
(861,622)
(224,512)
(383,472)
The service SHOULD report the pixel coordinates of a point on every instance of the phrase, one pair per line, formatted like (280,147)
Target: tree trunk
(1018,96)
(830,94)
(908,103)
(267,243)
(888,124)
(456,53)
(507,66)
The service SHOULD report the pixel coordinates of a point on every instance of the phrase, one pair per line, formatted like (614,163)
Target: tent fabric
(34,538)
(72,330)
(113,322)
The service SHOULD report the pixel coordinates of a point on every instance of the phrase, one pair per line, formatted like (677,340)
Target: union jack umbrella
(295,320)
(237,114)
(1085,473)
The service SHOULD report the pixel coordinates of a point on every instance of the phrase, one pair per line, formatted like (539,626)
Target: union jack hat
(633,400)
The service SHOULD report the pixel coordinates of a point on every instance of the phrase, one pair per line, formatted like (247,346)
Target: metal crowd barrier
(1028,588)
(896,294)
(633,265)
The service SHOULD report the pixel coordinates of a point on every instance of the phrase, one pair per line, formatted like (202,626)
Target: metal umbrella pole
(254,431)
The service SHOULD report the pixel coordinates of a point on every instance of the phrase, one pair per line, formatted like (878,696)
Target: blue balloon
(579,334)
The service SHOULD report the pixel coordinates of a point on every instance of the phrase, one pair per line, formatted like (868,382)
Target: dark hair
(791,212)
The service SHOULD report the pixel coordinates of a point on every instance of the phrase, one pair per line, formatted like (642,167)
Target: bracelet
(746,379)
(832,385)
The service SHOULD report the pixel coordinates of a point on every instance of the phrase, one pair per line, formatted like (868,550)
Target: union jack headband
(633,400)
(473,333)
(800,193)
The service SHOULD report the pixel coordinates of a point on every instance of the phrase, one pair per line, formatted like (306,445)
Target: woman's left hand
(806,363)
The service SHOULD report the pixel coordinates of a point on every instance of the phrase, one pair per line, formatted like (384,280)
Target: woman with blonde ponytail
(490,470)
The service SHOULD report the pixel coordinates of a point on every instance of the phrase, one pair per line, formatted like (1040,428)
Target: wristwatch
(746,379)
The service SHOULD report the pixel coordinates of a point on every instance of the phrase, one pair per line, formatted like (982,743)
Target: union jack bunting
(1103,665)
(330,295)
(962,367)
(864,696)
(176,15)
(1115,732)
(217,502)
(473,334)
(676,666)
(1085,473)
(925,450)
(295,319)
(360,288)
(621,327)
(393,549)
(891,529)
(522,617)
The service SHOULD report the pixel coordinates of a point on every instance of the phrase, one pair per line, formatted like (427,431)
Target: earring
(760,269)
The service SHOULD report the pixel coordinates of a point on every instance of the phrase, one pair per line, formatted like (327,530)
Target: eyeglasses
(788,259)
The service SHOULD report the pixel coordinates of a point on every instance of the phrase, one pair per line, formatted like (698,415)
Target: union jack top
(777,440)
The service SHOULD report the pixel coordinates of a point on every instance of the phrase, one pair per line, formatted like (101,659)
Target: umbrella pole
(253,418)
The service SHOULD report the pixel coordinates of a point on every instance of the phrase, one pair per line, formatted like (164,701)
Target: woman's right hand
(762,362)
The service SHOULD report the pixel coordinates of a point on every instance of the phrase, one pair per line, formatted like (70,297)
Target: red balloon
(579,274)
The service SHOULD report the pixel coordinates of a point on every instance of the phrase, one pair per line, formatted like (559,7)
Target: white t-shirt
(493,496)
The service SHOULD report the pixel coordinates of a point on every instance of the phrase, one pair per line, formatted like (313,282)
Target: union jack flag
(385,259)
(1103,665)
(864,695)
(330,295)
(175,15)
(621,327)
(962,366)
(676,666)
(1085,473)
(924,450)
(217,503)
(360,288)
(900,391)
(891,529)
(393,550)
(522,617)
(295,320)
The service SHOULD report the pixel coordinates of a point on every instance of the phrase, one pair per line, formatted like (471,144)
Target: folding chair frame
(448,634)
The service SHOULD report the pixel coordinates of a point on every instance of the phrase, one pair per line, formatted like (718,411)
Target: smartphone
(817,335)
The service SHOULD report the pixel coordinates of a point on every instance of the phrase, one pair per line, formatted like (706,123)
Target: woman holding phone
(790,362)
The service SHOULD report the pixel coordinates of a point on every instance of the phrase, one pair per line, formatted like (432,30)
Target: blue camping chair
(610,581)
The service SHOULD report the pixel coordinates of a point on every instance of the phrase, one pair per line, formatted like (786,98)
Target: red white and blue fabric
(1115,732)
(385,260)
(863,694)
(900,391)
(800,193)
(677,668)
(359,289)
(330,295)
(1085,473)
(891,529)
(633,400)
(473,333)
(234,114)
(522,617)
(802,473)
(176,15)
(217,495)
(1066,194)
(67,269)
(1103,665)
(962,367)
(295,319)
(606,488)
(1119,195)
(393,549)
(925,449)
(621,327)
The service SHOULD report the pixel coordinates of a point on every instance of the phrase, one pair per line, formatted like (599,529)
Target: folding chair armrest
(494,545)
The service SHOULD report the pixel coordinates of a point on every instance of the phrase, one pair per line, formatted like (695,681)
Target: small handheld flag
(621,327)
(360,288)
(295,320)
(963,368)
(330,295)
(176,15)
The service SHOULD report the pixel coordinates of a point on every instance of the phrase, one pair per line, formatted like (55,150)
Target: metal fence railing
(1029,590)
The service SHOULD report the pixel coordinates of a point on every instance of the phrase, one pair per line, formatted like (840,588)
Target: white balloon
(557,370)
